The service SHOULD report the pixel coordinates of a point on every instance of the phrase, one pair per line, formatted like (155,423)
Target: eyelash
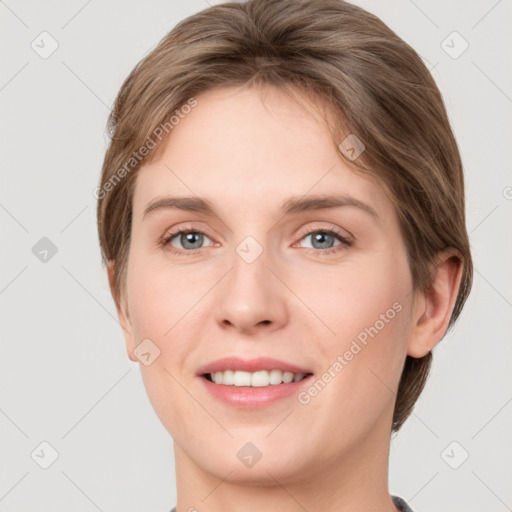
(344,241)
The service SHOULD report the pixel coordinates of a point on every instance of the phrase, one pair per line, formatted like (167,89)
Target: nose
(251,299)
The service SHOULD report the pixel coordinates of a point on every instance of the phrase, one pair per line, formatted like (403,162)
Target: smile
(253,383)
(261,378)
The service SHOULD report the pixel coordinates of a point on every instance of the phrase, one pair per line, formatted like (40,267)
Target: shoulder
(400,503)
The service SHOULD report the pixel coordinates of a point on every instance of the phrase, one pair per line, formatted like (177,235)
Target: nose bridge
(250,249)
(249,280)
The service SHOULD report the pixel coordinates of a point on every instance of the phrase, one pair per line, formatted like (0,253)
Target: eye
(323,241)
(190,240)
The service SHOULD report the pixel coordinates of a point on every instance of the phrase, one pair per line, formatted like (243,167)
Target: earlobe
(122,313)
(433,308)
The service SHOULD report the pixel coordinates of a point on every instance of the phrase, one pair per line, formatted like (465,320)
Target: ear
(122,312)
(433,308)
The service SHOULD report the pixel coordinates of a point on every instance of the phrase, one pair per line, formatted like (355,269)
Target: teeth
(255,379)
(259,379)
(240,378)
(275,377)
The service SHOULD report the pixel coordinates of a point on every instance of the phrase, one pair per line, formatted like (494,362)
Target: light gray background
(65,376)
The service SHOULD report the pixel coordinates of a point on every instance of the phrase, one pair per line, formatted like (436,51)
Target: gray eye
(191,240)
(321,240)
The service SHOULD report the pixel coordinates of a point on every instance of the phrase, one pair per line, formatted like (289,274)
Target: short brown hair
(376,87)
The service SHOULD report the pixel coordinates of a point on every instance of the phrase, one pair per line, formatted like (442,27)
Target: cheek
(364,312)
(359,297)
(158,299)
(159,302)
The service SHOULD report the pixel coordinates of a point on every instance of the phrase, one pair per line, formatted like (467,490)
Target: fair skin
(295,302)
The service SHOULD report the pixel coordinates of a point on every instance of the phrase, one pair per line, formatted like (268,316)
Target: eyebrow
(294,205)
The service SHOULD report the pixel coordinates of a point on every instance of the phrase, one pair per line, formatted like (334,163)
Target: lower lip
(248,397)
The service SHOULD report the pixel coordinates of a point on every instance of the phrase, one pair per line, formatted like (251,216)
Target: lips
(252,383)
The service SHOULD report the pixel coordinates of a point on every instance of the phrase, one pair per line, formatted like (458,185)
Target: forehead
(250,148)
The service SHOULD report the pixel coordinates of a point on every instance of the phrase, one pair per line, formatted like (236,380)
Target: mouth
(251,384)
(259,379)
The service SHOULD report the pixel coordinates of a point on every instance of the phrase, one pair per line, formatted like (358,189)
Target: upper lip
(249,365)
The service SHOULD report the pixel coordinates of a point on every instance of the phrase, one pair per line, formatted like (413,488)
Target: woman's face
(258,279)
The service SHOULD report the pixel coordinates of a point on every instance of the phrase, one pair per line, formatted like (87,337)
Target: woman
(281,213)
